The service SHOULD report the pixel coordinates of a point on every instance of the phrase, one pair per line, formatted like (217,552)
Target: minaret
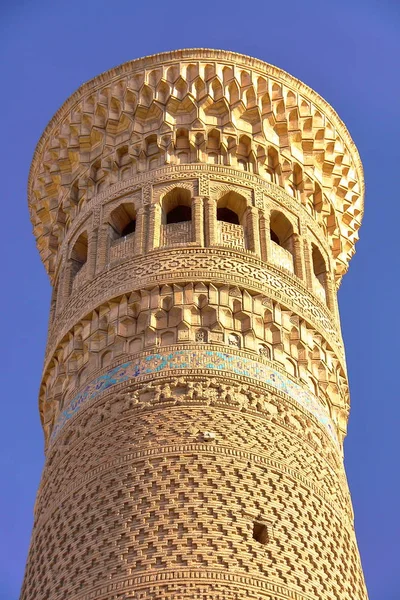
(195,211)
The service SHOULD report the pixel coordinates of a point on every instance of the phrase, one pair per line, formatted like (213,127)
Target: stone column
(252,229)
(198,220)
(154,227)
(103,247)
(67,281)
(92,254)
(264,235)
(331,295)
(267,225)
(53,306)
(211,224)
(308,266)
(298,256)
(140,231)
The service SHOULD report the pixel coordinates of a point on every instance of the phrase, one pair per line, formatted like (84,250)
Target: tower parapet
(196,211)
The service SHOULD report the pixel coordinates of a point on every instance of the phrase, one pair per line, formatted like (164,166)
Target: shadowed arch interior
(80,251)
(281,230)
(319,266)
(231,208)
(123,221)
(177,206)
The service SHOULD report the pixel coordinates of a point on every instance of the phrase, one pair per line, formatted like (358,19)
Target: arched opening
(79,252)
(179,214)
(176,217)
(319,271)
(177,206)
(227,215)
(230,216)
(281,229)
(122,223)
(129,228)
(274,237)
(260,533)
(282,246)
(78,259)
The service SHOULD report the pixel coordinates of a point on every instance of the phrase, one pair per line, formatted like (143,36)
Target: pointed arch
(282,241)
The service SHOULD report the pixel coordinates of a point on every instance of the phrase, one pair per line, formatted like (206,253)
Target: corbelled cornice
(196,90)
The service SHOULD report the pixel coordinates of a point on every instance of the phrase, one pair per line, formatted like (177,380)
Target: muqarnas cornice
(197,106)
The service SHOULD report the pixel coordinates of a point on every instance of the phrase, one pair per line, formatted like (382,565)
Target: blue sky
(348,51)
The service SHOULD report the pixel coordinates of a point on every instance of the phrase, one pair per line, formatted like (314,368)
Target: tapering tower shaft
(195,211)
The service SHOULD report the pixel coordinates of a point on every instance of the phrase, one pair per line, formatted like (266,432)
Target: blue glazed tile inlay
(198,359)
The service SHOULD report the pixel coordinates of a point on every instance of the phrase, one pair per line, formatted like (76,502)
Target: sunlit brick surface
(196,211)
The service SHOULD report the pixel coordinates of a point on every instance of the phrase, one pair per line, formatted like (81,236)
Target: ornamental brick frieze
(195,211)
(198,359)
(224,390)
(75,365)
(314,466)
(214,265)
(257,191)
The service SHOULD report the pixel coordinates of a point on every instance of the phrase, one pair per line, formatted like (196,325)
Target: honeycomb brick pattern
(190,205)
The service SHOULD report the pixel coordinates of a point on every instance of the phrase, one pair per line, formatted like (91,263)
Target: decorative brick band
(344,514)
(184,264)
(194,361)
(210,577)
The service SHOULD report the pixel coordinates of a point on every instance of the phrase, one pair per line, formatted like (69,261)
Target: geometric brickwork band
(199,359)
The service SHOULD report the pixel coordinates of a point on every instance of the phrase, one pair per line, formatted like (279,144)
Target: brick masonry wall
(194,397)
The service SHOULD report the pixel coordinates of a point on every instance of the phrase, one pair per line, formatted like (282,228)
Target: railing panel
(281,257)
(176,233)
(319,289)
(80,277)
(122,247)
(231,235)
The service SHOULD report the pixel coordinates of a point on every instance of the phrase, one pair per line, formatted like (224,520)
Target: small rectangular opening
(260,532)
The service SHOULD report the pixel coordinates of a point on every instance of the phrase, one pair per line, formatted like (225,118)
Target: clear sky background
(348,51)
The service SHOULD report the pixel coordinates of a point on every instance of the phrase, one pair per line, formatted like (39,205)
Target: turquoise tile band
(198,360)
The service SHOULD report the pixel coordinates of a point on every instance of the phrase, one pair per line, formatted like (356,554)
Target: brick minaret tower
(196,211)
